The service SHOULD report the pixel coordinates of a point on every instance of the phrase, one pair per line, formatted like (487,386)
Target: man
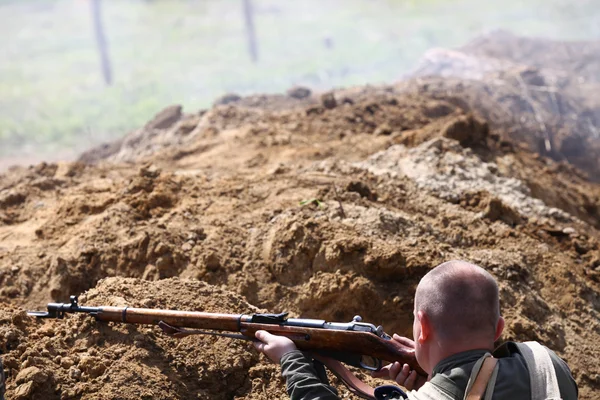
(456,322)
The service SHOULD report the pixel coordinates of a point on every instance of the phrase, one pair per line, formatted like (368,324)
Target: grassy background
(54,103)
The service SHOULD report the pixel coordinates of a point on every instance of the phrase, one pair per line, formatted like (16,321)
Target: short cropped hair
(460,299)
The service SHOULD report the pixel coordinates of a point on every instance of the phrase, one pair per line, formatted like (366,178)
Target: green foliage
(317,202)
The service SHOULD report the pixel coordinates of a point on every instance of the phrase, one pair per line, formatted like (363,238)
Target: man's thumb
(263,336)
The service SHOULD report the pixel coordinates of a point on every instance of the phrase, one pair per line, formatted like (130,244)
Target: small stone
(212,261)
(299,92)
(164,263)
(314,110)
(570,231)
(75,373)
(150,171)
(278,169)
(138,340)
(92,366)
(328,100)
(383,130)
(192,236)
(24,391)
(66,362)
(11,335)
(119,352)
(200,234)
(362,189)
(161,249)
(46,330)
(227,99)
(150,273)
(187,246)
(31,374)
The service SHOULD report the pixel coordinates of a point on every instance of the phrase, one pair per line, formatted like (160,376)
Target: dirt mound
(538,92)
(79,358)
(170,127)
(331,207)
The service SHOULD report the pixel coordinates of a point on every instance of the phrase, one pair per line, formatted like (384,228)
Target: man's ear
(425,327)
(499,328)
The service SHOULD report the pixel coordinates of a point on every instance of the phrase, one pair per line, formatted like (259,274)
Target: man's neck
(441,351)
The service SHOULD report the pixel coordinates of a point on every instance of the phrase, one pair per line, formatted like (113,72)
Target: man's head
(456,309)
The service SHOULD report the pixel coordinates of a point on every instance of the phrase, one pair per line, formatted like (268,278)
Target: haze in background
(57,98)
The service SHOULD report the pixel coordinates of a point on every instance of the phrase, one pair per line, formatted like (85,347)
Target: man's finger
(410,381)
(384,372)
(402,375)
(395,370)
(404,340)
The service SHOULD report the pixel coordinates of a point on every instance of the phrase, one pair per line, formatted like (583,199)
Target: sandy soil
(327,206)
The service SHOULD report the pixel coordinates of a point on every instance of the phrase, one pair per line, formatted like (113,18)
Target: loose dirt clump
(326,207)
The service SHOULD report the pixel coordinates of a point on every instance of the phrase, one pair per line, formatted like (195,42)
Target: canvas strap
(486,370)
(542,376)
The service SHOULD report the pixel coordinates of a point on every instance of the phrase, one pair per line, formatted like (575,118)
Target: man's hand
(273,346)
(401,373)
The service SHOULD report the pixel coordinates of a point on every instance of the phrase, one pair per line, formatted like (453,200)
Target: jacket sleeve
(302,379)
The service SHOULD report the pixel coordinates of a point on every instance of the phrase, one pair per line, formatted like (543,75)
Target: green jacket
(449,380)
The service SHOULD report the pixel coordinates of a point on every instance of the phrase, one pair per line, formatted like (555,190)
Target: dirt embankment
(329,207)
(538,93)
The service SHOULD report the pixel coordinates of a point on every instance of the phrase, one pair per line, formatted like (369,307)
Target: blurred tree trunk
(101,41)
(250,33)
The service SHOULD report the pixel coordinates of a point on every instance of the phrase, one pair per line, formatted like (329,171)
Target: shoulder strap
(542,376)
(485,371)
(354,385)
(447,386)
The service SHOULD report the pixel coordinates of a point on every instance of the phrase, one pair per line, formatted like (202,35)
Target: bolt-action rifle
(355,343)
